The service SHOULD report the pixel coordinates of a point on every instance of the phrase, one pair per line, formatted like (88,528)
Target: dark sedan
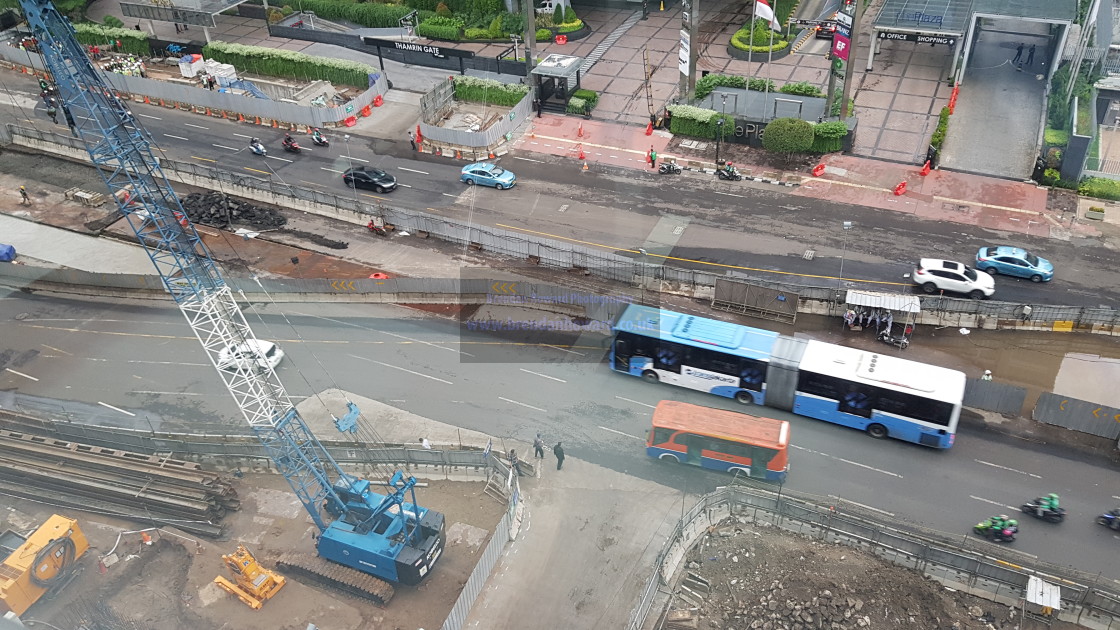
(369,178)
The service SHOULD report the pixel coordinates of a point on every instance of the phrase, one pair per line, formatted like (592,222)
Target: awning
(1043,593)
(889,301)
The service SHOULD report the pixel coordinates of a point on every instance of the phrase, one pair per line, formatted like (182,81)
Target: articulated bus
(882,395)
(720,440)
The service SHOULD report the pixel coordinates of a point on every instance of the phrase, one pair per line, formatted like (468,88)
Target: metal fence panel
(1078,415)
(994,396)
(479,576)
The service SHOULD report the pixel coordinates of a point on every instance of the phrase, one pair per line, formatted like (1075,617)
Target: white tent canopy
(1043,593)
(889,301)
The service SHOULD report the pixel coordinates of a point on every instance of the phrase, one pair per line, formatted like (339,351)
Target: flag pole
(770,58)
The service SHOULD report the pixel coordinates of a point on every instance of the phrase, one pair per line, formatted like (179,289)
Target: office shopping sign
(685,51)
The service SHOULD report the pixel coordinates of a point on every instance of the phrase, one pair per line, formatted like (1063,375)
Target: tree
(788,136)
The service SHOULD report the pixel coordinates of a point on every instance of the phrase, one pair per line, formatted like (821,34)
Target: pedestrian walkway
(599,142)
(601,49)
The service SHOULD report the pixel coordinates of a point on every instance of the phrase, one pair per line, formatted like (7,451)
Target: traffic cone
(458,156)
(579,133)
(490,155)
(925,169)
(649,129)
(581,155)
(585,166)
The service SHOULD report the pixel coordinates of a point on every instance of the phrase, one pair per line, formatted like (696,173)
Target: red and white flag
(762,10)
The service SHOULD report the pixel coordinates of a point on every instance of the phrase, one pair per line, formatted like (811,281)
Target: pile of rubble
(220,210)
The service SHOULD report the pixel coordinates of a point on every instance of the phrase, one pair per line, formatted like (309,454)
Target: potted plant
(1096,213)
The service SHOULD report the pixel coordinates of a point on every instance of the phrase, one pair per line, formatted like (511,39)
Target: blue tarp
(7,253)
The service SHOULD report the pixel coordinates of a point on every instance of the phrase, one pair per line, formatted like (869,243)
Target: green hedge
(802,88)
(1055,137)
(828,137)
(288,63)
(437,27)
(367,14)
(570,27)
(592,98)
(489,91)
(1100,187)
(543,35)
(942,127)
(577,105)
(132,41)
(755,36)
(707,84)
(697,122)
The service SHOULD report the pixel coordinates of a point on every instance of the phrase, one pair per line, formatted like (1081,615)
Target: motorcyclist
(255,145)
(729,168)
(288,140)
(1047,503)
(316,135)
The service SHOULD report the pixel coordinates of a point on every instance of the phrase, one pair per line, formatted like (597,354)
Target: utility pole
(688,54)
(848,67)
(530,43)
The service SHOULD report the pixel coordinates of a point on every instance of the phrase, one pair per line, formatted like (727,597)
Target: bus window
(820,385)
(858,400)
(910,406)
(661,436)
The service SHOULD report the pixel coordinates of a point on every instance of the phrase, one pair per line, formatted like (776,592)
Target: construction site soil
(168,585)
(762,578)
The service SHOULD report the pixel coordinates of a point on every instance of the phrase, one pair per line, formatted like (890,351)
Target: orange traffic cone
(581,155)
(925,169)
(579,133)
(585,166)
(649,129)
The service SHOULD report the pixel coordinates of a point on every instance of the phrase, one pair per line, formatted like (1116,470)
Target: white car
(255,353)
(935,275)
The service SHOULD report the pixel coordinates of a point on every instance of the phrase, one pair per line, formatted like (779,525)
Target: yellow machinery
(255,584)
(43,561)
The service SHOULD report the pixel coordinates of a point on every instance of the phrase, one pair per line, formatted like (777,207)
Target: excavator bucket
(252,583)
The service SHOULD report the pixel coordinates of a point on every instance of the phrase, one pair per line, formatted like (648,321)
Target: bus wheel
(650,376)
(744,398)
(877,431)
(672,459)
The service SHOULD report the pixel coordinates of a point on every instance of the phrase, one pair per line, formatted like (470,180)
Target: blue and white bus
(883,395)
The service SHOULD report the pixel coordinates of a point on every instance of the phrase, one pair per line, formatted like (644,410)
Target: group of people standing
(538,453)
(1018,60)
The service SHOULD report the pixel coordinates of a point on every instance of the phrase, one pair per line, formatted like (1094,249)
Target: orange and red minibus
(720,440)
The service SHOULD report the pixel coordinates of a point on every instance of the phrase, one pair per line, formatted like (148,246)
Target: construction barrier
(818,170)
(378,101)
(351,121)
(900,189)
(366,111)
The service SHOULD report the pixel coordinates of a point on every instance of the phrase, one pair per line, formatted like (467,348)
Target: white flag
(762,10)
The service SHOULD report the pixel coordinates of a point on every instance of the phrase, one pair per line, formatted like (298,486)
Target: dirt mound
(761,578)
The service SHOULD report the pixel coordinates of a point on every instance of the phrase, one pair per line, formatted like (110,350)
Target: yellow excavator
(41,563)
(253,584)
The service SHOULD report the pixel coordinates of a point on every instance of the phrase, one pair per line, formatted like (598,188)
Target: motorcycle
(669,168)
(319,139)
(1110,519)
(730,175)
(377,226)
(257,148)
(1048,515)
(901,341)
(292,147)
(985,530)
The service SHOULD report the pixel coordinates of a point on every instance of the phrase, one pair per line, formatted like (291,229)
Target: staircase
(605,45)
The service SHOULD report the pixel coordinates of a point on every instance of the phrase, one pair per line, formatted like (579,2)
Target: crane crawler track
(336,576)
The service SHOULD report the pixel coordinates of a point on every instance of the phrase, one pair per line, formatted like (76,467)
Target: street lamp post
(843,253)
(719,138)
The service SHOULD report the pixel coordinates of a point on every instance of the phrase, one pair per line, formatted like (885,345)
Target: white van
(253,353)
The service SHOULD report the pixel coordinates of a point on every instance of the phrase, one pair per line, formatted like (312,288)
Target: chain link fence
(984,571)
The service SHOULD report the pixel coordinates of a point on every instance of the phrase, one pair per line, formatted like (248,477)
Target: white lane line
(424,343)
(397,367)
(729,194)
(127,413)
(273,157)
(57,350)
(866,507)
(630,436)
(323,168)
(354,159)
(1116,497)
(403,185)
(980,461)
(847,461)
(176,137)
(448,195)
(558,347)
(142,391)
(552,378)
(195,126)
(992,502)
(528,159)
(412,170)
(397,400)
(150,116)
(222,146)
(514,402)
(636,402)
(26,376)
(241,135)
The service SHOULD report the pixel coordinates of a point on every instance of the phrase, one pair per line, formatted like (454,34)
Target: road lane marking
(373,196)
(222,146)
(403,185)
(70,354)
(354,159)
(203,159)
(983,500)
(176,137)
(1116,497)
(847,461)
(143,391)
(273,157)
(424,343)
(127,413)
(195,126)
(150,116)
(696,262)
(412,170)
(397,367)
(514,402)
(636,402)
(553,378)
(630,436)
(323,168)
(864,506)
(980,461)
(241,135)
(450,195)
(729,194)
(562,349)
(27,376)
(257,170)
(528,159)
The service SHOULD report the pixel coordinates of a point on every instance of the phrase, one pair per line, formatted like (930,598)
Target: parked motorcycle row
(1003,529)
(726,172)
(289,143)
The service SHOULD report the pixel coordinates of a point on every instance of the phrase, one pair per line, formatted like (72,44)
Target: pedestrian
(426,444)
(177,29)
(652,158)
(514,463)
(1018,54)
(213,82)
(52,112)
(412,140)
(24,198)
(1030,56)
(538,447)
(987,375)
(558,451)
(137,27)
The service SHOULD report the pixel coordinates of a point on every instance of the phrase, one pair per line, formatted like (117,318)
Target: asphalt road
(116,359)
(738,228)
